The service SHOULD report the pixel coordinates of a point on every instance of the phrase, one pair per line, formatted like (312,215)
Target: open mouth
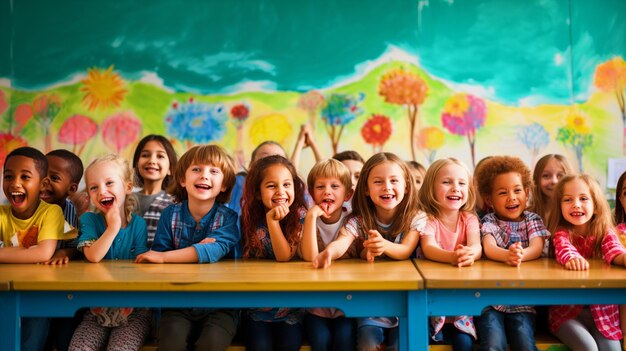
(279,201)
(106,202)
(387,197)
(577,214)
(45,195)
(512,207)
(454,198)
(151,169)
(18,198)
(203,187)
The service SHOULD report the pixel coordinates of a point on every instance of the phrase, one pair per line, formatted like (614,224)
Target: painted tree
(535,137)
(22,114)
(77,131)
(405,88)
(45,110)
(120,130)
(196,122)
(340,110)
(312,102)
(376,131)
(576,135)
(610,77)
(8,143)
(464,114)
(239,113)
(431,139)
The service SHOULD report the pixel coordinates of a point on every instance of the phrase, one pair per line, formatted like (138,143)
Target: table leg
(10,321)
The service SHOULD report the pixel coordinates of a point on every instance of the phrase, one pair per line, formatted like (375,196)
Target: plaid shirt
(531,226)
(153,213)
(606,317)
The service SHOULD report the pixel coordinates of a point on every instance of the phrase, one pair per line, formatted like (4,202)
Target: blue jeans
(326,334)
(34,333)
(371,337)
(268,336)
(494,327)
(450,335)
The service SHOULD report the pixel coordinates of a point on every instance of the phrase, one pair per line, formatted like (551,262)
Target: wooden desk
(467,290)
(360,289)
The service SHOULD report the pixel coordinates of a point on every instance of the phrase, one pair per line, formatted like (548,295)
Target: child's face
(268,150)
(329,194)
(58,185)
(203,182)
(386,185)
(107,190)
(508,197)
(576,204)
(451,187)
(622,197)
(153,164)
(21,186)
(550,176)
(418,176)
(277,187)
(355,170)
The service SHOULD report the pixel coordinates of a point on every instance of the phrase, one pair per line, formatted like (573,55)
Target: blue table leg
(418,320)
(9,320)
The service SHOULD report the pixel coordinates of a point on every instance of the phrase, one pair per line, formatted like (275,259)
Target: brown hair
(427,199)
(497,165)
(329,168)
(539,203)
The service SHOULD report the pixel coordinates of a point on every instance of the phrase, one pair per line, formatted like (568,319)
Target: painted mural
(424,79)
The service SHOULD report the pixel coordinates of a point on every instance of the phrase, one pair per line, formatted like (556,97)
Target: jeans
(495,327)
(449,334)
(326,334)
(371,337)
(34,333)
(269,336)
(197,329)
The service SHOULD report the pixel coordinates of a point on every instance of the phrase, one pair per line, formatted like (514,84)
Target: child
(305,139)
(29,227)
(112,232)
(198,228)
(582,226)
(418,171)
(451,235)
(65,171)
(330,185)
(481,207)
(354,162)
(384,194)
(154,162)
(510,235)
(547,173)
(271,226)
(620,220)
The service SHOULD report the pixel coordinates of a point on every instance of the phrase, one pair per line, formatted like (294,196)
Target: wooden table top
(227,275)
(542,273)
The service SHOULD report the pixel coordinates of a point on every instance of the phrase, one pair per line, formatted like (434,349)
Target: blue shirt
(128,243)
(177,230)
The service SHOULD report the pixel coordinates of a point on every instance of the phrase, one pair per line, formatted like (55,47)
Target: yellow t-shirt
(45,224)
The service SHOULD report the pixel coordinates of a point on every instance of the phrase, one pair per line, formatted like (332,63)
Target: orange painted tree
(610,77)
(405,88)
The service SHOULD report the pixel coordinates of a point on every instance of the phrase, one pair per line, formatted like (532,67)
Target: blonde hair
(363,206)
(599,224)
(126,175)
(539,201)
(427,199)
(204,155)
(329,168)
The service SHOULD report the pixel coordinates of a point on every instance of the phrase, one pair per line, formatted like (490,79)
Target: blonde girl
(272,216)
(451,235)
(547,173)
(111,232)
(384,221)
(583,229)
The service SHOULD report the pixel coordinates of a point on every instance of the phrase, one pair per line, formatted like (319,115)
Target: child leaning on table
(273,210)
(620,219)
(198,228)
(451,235)
(511,235)
(329,184)
(583,229)
(111,232)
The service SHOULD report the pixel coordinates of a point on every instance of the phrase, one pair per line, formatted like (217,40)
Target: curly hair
(497,165)
(253,211)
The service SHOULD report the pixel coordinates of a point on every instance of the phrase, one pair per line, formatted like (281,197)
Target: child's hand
(59,258)
(375,244)
(150,257)
(320,210)
(577,264)
(112,216)
(322,260)
(516,254)
(277,213)
(207,241)
(463,256)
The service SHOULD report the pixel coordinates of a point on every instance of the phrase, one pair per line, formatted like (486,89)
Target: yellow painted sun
(102,89)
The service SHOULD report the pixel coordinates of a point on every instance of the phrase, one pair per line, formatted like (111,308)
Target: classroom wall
(424,79)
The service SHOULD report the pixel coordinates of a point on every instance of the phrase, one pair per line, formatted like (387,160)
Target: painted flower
(377,130)
(102,89)
(341,109)
(120,130)
(577,121)
(403,88)
(196,122)
(431,138)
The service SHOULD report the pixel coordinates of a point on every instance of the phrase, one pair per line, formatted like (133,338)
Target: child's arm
(283,251)
(434,252)
(300,144)
(308,244)
(376,245)
(613,252)
(34,254)
(515,255)
(309,140)
(100,247)
(566,253)
(334,250)
(62,256)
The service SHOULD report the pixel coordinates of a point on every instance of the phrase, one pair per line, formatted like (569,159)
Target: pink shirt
(448,239)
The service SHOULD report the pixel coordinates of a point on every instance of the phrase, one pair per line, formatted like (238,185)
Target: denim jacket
(177,230)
